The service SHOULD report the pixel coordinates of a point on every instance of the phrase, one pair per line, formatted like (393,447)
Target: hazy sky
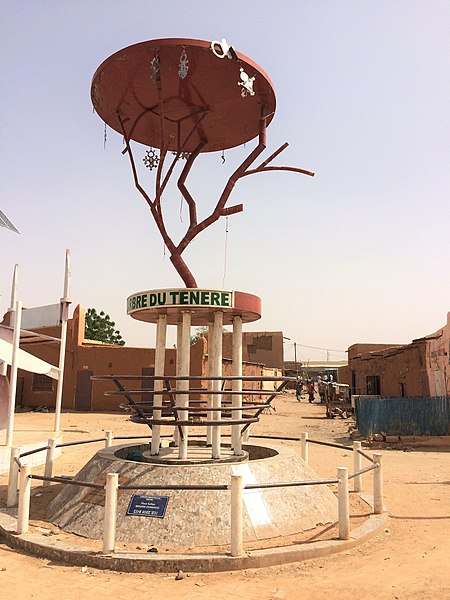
(359,253)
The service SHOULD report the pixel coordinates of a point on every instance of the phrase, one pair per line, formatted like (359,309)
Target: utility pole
(295,358)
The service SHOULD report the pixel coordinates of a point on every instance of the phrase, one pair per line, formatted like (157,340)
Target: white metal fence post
(357,465)
(304,446)
(109,519)
(49,460)
(13,479)
(108,438)
(343,503)
(378,484)
(237,487)
(23,513)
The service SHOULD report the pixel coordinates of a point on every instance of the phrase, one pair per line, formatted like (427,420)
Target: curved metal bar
(190,378)
(149,392)
(192,423)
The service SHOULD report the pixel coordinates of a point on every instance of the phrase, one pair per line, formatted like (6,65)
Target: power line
(318,348)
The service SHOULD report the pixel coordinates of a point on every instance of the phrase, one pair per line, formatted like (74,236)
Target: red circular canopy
(177,93)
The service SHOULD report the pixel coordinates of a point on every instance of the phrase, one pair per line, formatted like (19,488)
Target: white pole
(62,345)
(343,503)
(237,486)
(357,466)
(185,363)
(13,381)
(176,432)
(14,289)
(236,385)
(378,484)
(160,357)
(304,446)
(23,513)
(108,438)
(13,478)
(209,401)
(109,520)
(49,460)
(217,367)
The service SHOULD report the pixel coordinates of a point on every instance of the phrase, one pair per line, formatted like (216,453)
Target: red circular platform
(159,107)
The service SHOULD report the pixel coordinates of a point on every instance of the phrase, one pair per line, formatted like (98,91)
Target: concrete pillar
(304,447)
(343,503)
(209,398)
(13,478)
(160,357)
(378,484)
(217,368)
(49,460)
(185,363)
(108,438)
(23,513)
(237,486)
(236,385)
(357,465)
(110,514)
(176,433)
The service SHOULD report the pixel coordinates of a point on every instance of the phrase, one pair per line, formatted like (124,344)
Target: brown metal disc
(162,104)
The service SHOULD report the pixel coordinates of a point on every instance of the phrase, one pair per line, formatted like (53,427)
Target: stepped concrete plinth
(196,518)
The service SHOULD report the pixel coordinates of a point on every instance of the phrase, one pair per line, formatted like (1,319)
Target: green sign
(182,297)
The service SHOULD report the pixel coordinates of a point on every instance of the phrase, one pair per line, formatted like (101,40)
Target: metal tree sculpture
(175,95)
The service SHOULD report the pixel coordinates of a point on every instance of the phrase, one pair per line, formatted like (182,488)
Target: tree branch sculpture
(220,210)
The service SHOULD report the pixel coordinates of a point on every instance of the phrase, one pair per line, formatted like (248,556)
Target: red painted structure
(187,97)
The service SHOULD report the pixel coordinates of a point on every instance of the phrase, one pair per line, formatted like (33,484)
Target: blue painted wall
(402,416)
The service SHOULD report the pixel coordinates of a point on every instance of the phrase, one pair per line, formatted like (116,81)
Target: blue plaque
(148,506)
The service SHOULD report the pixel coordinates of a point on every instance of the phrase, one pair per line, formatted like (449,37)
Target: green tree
(199,331)
(99,326)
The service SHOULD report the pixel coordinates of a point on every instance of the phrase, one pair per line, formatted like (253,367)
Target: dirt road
(409,560)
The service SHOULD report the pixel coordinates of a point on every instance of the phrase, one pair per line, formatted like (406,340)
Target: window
(263,342)
(42,383)
(373,385)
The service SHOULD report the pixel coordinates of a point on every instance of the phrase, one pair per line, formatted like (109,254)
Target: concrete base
(196,519)
(53,549)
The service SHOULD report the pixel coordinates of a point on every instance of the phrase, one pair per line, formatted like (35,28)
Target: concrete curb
(44,547)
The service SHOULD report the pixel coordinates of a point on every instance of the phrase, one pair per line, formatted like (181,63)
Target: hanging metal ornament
(154,69)
(184,64)
(183,155)
(246,83)
(151,159)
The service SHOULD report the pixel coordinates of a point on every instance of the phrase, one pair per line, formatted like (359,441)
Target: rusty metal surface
(142,85)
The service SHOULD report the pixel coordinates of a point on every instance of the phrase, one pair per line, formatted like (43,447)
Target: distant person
(311,390)
(299,389)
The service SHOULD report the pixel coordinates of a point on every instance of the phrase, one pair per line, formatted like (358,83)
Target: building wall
(416,369)
(438,360)
(262,347)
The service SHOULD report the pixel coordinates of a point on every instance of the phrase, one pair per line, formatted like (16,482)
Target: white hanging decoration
(246,83)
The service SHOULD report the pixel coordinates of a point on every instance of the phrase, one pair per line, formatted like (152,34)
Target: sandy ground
(409,559)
